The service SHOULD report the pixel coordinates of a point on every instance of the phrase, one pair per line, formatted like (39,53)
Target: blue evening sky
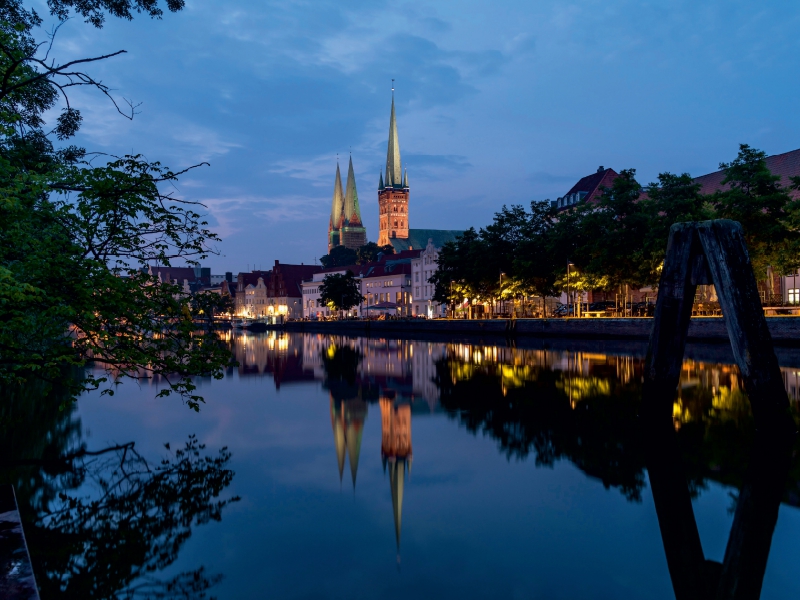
(497,102)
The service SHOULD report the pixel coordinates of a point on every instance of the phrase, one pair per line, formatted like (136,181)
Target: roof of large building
(588,188)
(786,165)
(418,239)
(293,276)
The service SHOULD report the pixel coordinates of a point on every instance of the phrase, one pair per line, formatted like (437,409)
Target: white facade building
(422,268)
(385,285)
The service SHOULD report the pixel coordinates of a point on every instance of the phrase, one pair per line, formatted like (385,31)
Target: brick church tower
(393,191)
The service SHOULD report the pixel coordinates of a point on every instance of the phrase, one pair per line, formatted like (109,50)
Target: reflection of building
(278,355)
(396,453)
(347,421)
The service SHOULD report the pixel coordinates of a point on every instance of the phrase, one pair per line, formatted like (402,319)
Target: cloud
(235,214)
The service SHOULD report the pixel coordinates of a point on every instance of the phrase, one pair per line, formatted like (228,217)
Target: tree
(74,232)
(457,277)
(674,199)
(755,198)
(339,256)
(341,291)
(369,252)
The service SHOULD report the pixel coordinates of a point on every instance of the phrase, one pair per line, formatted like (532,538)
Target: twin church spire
(346,227)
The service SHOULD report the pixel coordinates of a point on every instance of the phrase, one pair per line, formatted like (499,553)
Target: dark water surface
(373,468)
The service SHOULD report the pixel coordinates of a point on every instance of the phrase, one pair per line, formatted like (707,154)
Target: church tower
(352,233)
(393,191)
(337,209)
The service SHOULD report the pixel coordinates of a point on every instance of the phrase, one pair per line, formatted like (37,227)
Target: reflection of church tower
(393,191)
(396,454)
(347,421)
(337,422)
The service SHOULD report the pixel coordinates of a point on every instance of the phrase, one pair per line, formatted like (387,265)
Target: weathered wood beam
(729,265)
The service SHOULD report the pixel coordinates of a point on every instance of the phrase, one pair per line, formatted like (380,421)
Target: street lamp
(569,264)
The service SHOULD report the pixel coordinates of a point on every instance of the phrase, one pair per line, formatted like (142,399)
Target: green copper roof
(394,173)
(337,206)
(352,212)
(418,239)
(380,183)
(405,179)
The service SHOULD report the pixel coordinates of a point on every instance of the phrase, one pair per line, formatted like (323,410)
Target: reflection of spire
(338,436)
(355,412)
(396,452)
(397,479)
(347,421)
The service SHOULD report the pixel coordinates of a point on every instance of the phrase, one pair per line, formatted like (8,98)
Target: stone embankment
(784,330)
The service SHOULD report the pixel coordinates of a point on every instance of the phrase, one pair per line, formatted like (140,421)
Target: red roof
(786,165)
(290,278)
(592,185)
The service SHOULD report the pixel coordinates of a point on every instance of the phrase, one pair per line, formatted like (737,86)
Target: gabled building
(385,285)
(588,188)
(193,279)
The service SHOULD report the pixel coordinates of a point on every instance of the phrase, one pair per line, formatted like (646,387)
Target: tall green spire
(394,173)
(405,179)
(337,207)
(352,212)
(380,183)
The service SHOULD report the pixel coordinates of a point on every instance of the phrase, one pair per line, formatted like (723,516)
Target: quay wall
(784,330)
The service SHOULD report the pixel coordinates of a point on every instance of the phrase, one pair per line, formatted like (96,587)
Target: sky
(497,102)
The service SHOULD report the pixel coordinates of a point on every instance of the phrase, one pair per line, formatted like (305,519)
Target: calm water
(392,469)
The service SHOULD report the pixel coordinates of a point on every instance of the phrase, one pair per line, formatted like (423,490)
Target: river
(334,467)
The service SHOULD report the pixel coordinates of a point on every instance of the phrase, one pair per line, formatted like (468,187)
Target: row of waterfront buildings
(398,283)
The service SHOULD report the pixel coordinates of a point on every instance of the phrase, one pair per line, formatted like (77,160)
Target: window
(416,277)
(416,291)
(794,296)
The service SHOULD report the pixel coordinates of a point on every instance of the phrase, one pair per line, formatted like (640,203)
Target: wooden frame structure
(714,252)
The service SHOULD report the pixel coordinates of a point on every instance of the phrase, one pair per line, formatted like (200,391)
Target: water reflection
(102,522)
(573,405)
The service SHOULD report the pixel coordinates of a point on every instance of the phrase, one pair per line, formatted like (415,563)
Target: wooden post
(702,254)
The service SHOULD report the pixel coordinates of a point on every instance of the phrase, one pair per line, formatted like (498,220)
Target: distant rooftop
(418,239)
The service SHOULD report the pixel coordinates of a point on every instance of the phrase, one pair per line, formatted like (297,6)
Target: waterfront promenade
(784,330)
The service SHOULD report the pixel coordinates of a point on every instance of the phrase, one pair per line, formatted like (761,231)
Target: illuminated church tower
(393,191)
(345,227)
(352,233)
(337,209)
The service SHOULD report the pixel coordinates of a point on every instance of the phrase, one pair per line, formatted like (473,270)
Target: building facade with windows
(422,269)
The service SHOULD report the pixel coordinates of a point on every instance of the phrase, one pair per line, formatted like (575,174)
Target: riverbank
(784,330)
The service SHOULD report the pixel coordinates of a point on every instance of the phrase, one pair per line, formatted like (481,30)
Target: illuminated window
(794,296)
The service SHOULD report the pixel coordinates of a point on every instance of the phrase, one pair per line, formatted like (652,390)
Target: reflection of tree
(101,524)
(563,415)
(538,417)
(341,374)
